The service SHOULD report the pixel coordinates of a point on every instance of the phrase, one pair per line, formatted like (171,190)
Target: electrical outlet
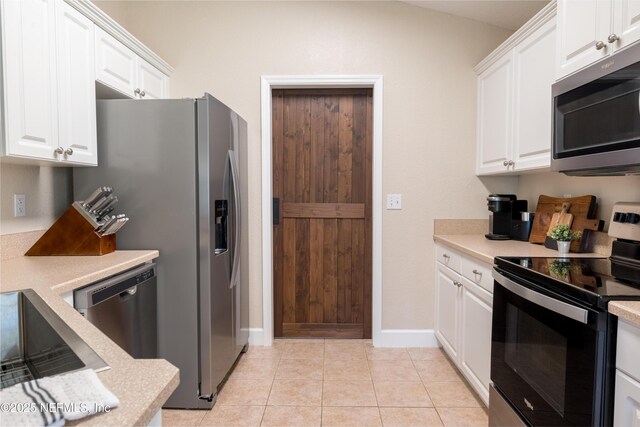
(394,201)
(19,205)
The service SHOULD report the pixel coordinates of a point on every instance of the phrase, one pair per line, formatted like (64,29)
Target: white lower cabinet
(463,315)
(627,395)
(475,348)
(447,309)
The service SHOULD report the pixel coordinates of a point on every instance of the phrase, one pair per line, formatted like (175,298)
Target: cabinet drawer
(628,349)
(477,272)
(448,257)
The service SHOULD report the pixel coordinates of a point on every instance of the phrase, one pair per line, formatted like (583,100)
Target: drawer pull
(445,256)
(479,273)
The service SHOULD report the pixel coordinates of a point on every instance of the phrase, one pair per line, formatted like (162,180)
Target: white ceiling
(508,14)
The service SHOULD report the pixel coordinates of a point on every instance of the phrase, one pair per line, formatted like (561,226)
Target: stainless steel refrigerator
(179,169)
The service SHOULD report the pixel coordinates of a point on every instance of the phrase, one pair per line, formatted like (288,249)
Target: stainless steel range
(553,339)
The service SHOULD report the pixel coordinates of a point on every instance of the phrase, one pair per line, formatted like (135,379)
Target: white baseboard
(406,338)
(256,336)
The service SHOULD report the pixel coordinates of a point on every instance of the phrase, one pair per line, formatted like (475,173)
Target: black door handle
(276,210)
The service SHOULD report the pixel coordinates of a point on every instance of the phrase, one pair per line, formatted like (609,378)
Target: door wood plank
(345,149)
(344,270)
(289,150)
(316,174)
(316,262)
(289,271)
(302,270)
(323,210)
(357,270)
(331,122)
(326,330)
(358,186)
(330,262)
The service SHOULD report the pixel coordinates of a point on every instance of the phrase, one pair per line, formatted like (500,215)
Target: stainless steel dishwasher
(124,307)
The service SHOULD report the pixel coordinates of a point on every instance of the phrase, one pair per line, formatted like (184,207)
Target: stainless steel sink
(36,343)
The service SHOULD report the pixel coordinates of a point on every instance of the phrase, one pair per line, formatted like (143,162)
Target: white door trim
(296,82)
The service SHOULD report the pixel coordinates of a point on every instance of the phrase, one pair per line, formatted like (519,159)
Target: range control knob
(619,217)
(632,218)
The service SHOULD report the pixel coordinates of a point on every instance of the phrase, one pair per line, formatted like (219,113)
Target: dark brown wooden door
(322,242)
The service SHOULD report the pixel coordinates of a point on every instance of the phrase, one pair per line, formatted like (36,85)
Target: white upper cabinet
(115,63)
(514,100)
(120,68)
(76,86)
(589,30)
(30,70)
(153,83)
(533,77)
(53,51)
(495,94)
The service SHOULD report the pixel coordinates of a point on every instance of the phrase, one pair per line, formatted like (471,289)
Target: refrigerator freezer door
(216,314)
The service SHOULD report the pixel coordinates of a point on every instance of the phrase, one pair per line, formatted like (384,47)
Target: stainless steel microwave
(596,118)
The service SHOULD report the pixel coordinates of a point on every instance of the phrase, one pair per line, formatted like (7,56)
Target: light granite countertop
(483,249)
(479,247)
(141,385)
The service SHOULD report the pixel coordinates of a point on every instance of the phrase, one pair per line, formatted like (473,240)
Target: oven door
(544,354)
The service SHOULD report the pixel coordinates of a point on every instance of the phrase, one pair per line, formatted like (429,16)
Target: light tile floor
(315,382)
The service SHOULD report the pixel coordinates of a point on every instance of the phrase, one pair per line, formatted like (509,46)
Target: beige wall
(48,193)
(427,61)
(608,190)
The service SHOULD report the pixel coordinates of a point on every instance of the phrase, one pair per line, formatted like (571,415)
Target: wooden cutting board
(581,207)
(562,217)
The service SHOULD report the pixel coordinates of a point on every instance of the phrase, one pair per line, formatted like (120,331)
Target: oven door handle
(559,307)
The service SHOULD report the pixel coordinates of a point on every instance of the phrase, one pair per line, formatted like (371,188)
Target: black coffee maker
(503,209)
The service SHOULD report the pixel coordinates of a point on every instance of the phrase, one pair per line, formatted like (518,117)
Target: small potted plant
(563,235)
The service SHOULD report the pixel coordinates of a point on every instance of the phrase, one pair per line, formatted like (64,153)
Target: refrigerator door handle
(236,199)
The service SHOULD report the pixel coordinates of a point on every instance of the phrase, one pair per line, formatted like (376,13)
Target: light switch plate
(394,201)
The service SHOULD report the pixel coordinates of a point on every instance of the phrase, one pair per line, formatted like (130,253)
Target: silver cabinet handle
(477,272)
(59,150)
(445,256)
(612,38)
(600,45)
(506,163)
(511,163)
(458,284)
(137,91)
(142,94)
(68,151)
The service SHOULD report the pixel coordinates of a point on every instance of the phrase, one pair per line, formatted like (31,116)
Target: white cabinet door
(115,63)
(626,22)
(76,86)
(475,340)
(582,24)
(447,309)
(30,98)
(154,83)
(626,411)
(534,71)
(495,87)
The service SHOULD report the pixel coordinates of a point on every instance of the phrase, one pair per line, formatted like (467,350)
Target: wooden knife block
(72,234)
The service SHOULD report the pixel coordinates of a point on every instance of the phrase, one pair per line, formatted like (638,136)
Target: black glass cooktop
(591,280)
